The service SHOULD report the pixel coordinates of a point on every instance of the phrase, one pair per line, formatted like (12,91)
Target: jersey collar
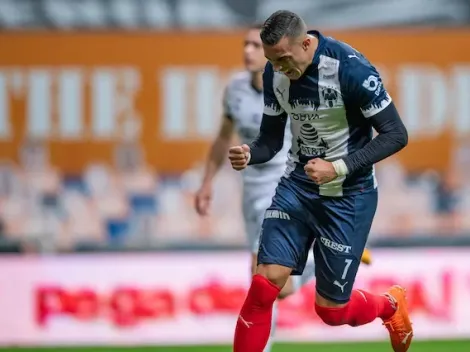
(321,43)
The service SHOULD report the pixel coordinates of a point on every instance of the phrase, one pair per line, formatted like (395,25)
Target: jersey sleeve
(362,86)
(271,104)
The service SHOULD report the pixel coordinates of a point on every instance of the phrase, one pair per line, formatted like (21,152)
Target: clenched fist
(239,156)
(320,171)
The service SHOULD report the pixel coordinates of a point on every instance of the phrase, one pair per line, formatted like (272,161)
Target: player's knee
(332,316)
(285,292)
(276,274)
(260,291)
(288,289)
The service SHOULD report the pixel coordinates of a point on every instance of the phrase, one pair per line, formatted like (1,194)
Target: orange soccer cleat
(366,257)
(399,325)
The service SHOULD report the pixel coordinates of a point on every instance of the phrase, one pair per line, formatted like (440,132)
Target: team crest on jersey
(330,95)
(310,144)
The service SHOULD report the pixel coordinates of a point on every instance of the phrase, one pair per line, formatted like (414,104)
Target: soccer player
(242,113)
(328,194)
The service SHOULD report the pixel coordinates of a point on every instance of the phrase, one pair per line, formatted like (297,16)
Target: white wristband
(248,157)
(340,167)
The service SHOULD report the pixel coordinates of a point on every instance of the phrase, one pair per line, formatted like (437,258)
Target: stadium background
(107,109)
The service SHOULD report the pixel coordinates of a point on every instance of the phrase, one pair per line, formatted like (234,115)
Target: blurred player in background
(333,97)
(242,113)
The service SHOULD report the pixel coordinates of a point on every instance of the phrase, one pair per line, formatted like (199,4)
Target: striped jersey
(329,108)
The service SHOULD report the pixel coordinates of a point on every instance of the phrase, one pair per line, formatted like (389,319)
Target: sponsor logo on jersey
(306,116)
(276,214)
(309,143)
(335,246)
(372,84)
(331,76)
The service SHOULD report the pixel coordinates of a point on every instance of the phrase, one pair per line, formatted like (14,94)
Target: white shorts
(256,199)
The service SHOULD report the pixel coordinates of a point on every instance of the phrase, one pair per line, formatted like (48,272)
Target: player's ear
(306,43)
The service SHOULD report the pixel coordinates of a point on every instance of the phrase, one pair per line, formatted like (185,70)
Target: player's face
(289,56)
(253,52)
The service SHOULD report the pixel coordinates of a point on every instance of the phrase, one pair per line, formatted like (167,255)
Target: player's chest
(247,113)
(311,99)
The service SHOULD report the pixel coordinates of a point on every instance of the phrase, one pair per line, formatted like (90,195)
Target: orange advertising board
(82,93)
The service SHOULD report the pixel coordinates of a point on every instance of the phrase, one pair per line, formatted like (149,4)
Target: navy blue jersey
(329,109)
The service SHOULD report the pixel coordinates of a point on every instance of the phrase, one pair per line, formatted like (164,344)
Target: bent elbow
(404,139)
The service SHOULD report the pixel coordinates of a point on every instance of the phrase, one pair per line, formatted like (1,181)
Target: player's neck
(257,81)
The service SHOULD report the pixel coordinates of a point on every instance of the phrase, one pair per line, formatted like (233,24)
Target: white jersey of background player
(242,112)
(242,102)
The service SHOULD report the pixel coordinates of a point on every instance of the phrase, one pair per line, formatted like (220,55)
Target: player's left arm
(364,88)
(270,139)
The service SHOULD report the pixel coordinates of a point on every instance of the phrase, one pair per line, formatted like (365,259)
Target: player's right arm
(215,159)
(365,90)
(271,134)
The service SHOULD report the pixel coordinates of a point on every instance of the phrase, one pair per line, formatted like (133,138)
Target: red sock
(254,322)
(363,308)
